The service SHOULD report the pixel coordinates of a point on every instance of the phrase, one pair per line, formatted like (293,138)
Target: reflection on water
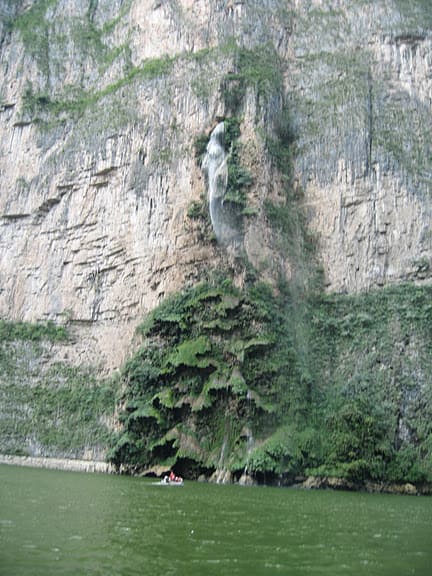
(54,523)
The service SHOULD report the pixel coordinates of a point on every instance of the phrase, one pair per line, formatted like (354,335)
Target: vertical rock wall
(100,106)
(360,82)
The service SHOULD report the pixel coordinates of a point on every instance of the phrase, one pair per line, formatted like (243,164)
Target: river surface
(70,523)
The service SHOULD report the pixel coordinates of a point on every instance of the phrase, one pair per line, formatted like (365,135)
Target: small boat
(171,480)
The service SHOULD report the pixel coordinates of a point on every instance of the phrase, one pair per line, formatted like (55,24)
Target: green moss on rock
(48,407)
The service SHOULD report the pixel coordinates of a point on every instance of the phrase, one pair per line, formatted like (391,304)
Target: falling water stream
(225,221)
(250,444)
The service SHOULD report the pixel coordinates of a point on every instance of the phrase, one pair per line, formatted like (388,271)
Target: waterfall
(215,164)
(221,473)
(225,222)
(250,443)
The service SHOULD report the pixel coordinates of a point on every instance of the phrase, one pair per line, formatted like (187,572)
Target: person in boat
(174,478)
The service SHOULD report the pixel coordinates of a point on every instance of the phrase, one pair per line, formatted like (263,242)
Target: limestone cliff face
(101,103)
(361,83)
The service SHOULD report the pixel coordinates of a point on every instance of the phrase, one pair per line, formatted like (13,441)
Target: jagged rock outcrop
(101,103)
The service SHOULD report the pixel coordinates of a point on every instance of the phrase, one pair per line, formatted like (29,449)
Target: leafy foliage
(10,331)
(34,30)
(49,407)
(239,178)
(44,108)
(372,358)
(220,367)
(259,68)
(213,351)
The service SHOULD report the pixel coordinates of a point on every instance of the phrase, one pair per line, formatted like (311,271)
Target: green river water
(68,523)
